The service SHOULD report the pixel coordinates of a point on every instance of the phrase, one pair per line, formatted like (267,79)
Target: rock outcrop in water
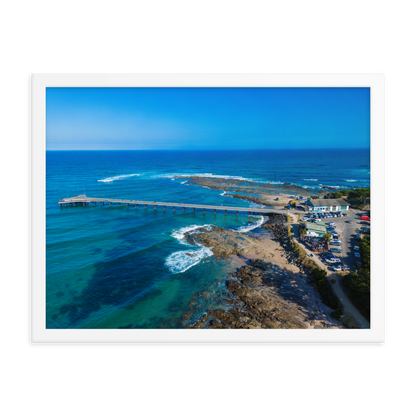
(249,187)
(222,242)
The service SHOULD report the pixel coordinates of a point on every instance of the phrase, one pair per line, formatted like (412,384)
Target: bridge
(83,200)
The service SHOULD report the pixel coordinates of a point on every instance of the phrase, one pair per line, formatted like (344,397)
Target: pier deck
(84,200)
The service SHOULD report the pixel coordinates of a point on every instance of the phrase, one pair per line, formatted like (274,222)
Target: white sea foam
(223,193)
(180,261)
(351,180)
(254,205)
(331,186)
(203,175)
(117,178)
(310,179)
(251,226)
(183,182)
(180,234)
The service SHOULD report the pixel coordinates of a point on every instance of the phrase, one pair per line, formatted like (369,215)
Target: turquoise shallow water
(113,267)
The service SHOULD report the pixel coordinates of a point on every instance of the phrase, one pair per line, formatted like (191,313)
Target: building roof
(327,202)
(317,228)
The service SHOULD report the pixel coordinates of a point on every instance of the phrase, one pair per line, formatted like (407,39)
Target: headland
(271,287)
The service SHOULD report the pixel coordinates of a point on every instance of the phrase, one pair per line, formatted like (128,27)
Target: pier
(83,200)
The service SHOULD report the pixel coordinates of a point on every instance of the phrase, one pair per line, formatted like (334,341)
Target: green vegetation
(356,197)
(327,237)
(357,285)
(303,232)
(325,290)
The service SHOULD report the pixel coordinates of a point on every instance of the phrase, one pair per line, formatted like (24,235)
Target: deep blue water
(112,267)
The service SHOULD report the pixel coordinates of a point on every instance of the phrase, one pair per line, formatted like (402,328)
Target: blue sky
(206,118)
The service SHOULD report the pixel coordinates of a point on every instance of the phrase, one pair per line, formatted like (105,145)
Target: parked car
(356,248)
(357,254)
(332,223)
(335,243)
(358,264)
(336,250)
(358,236)
(337,268)
(332,260)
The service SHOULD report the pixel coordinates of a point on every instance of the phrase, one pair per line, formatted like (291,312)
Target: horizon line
(204,150)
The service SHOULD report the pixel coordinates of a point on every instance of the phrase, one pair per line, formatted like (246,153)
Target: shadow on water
(119,280)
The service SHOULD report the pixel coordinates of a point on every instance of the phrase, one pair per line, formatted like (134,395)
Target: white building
(325,205)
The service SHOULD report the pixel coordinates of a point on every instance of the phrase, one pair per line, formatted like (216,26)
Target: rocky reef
(249,187)
(222,242)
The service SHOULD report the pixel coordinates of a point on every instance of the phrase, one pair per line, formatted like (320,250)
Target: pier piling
(83,200)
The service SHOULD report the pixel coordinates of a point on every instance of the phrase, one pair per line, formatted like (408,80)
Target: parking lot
(347,232)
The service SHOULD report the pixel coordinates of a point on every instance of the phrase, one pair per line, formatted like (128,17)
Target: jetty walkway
(83,200)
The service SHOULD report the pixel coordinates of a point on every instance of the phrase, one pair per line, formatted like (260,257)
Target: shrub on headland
(325,289)
(358,198)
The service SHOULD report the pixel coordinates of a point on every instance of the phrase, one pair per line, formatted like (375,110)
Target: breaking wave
(204,175)
(180,261)
(251,226)
(180,234)
(117,178)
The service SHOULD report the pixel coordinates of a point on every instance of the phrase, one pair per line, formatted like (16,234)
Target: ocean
(121,267)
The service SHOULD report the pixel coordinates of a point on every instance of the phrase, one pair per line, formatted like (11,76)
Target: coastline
(268,289)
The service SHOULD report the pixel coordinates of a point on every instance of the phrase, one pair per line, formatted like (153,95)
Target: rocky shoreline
(261,294)
(222,242)
(264,296)
(250,187)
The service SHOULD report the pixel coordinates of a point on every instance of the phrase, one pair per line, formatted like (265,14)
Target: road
(346,232)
